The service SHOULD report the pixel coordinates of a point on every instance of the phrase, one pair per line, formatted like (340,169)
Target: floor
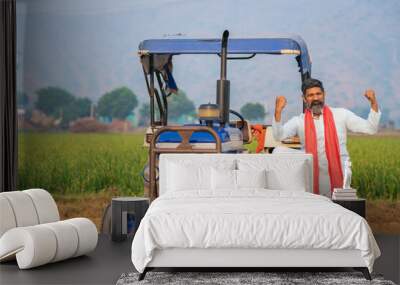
(110,260)
(103,266)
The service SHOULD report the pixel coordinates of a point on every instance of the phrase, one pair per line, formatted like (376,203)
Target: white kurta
(344,120)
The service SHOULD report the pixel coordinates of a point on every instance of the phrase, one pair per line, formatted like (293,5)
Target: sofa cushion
(7,220)
(32,246)
(87,233)
(23,208)
(40,244)
(26,208)
(46,207)
(67,240)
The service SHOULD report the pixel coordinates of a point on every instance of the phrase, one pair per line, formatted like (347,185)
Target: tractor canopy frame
(156,58)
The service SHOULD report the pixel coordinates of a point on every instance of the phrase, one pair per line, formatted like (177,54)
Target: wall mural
(84,108)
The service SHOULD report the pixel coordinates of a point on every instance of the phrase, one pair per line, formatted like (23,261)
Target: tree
(180,105)
(78,108)
(59,103)
(144,114)
(118,103)
(253,111)
(53,101)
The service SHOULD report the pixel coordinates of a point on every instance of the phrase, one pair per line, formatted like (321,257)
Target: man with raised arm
(323,132)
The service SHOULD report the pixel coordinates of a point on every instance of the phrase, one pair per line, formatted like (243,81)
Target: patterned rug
(231,278)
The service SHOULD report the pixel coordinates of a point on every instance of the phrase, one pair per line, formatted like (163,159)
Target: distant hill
(89,47)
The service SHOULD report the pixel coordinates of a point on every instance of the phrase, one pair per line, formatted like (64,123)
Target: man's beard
(316,107)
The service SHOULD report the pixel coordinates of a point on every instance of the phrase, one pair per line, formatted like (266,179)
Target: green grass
(73,163)
(66,163)
(376,166)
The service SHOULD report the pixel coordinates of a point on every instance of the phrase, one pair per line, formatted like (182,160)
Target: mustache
(316,103)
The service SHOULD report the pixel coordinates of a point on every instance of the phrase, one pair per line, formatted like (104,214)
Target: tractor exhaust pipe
(224,49)
(223,85)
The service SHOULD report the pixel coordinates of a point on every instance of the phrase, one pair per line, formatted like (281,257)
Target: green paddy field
(71,164)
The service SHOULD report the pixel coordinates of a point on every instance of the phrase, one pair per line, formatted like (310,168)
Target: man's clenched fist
(370,95)
(280,103)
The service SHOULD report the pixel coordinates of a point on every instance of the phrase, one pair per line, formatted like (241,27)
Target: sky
(89,47)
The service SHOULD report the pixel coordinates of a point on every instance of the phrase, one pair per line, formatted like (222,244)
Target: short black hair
(311,83)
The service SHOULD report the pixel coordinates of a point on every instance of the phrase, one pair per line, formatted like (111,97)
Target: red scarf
(331,148)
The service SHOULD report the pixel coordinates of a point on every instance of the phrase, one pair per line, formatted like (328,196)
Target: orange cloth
(259,132)
(331,148)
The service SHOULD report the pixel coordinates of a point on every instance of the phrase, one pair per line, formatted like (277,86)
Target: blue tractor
(214,132)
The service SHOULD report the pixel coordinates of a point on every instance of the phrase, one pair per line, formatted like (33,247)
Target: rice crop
(73,163)
(376,166)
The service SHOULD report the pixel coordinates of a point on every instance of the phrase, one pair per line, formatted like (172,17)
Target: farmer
(323,132)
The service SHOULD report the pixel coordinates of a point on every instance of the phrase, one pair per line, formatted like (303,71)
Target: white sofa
(31,230)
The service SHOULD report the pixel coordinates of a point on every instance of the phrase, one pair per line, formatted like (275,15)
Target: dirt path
(384,216)
(85,205)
